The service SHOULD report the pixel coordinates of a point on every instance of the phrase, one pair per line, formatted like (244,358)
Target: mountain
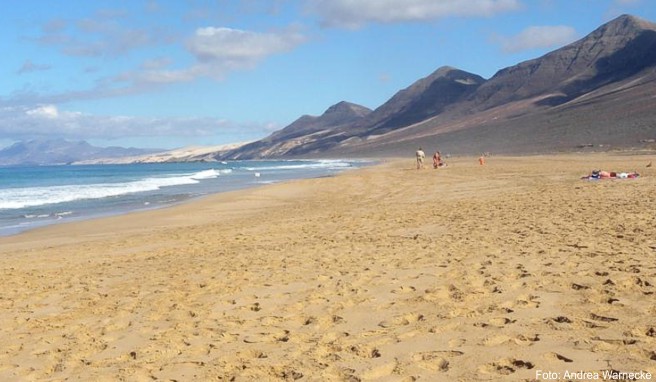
(299,137)
(59,151)
(424,99)
(597,91)
(613,52)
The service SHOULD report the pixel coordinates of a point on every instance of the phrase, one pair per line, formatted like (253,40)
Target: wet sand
(386,273)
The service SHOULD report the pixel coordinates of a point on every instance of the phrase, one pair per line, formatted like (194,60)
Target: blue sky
(172,73)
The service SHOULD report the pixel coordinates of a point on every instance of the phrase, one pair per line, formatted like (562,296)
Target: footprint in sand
(348,374)
(445,328)
(642,332)
(267,337)
(616,342)
(500,322)
(557,357)
(327,321)
(252,354)
(365,351)
(529,301)
(379,372)
(404,289)
(503,339)
(526,340)
(434,361)
(557,322)
(506,366)
(287,374)
(308,320)
(403,320)
(597,317)
(592,325)
(579,286)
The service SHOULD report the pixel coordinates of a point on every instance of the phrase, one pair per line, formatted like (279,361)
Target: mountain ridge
(550,103)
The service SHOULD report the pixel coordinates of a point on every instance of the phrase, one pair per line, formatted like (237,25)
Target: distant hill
(596,92)
(60,151)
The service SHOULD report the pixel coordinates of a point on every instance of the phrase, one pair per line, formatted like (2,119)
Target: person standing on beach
(420,158)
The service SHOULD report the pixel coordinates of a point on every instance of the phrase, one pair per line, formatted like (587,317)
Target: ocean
(35,196)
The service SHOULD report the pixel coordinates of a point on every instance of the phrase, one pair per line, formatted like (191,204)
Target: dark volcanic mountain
(613,52)
(425,98)
(299,137)
(60,151)
(314,135)
(598,91)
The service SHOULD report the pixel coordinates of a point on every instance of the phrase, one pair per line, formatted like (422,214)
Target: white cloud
(226,48)
(47,111)
(538,37)
(212,52)
(353,14)
(21,122)
(217,51)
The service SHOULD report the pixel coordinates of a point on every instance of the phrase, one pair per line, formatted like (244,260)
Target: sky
(173,73)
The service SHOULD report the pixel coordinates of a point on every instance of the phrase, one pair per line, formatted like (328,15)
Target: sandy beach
(467,273)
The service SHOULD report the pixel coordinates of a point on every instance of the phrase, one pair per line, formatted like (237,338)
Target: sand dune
(387,273)
(184,154)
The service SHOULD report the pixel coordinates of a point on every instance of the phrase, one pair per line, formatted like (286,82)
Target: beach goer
(437,159)
(481,160)
(601,174)
(420,158)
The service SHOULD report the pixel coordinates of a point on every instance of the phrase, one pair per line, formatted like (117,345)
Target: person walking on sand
(481,160)
(420,158)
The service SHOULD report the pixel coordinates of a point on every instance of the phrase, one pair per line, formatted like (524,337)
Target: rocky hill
(596,92)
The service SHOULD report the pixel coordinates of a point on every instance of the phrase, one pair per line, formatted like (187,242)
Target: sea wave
(208,174)
(319,164)
(14,198)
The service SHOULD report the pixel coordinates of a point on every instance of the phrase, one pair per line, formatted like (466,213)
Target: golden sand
(388,273)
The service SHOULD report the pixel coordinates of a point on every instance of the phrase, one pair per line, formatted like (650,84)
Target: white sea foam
(207,174)
(14,198)
(321,164)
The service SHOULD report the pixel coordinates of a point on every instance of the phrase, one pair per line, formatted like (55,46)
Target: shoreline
(121,220)
(383,273)
(164,197)
(123,212)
